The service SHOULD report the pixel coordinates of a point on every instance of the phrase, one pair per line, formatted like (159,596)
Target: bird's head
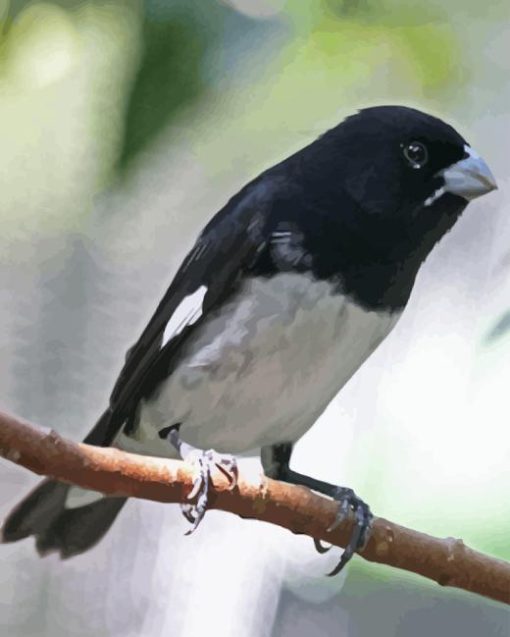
(409,174)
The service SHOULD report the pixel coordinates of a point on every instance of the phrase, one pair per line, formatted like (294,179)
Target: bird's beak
(470,177)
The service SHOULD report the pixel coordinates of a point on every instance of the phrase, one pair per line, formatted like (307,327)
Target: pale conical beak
(470,177)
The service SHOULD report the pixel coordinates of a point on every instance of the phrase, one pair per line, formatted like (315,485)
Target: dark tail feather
(35,512)
(71,531)
(75,531)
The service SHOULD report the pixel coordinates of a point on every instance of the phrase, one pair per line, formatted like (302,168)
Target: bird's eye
(416,154)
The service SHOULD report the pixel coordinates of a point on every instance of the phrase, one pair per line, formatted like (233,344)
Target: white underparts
(264,368)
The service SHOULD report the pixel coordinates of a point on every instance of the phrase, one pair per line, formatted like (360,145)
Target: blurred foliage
(421,33)
(64,80)
(168,79)
(329,58)
(191,49)
(186,46)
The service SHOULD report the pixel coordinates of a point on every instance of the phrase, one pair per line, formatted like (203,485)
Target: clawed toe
(319,546)
(350,503)
(275,460)
(227,464)
(205,461)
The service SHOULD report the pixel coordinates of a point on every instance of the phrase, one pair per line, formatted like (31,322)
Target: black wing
(226,250)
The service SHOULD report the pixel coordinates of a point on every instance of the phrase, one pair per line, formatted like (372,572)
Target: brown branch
(447,561)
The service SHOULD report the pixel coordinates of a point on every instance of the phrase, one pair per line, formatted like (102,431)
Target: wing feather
(226,250)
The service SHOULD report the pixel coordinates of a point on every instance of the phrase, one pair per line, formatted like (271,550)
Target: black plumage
(351,217)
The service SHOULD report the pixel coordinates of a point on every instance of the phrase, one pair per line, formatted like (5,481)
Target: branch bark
(447,561)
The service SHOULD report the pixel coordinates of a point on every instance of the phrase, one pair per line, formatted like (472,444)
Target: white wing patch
(279,236)
(188,312)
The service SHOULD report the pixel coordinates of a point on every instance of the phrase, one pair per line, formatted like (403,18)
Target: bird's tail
(59,523)
(70,531)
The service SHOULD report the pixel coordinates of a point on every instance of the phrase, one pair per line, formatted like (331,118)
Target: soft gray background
(87,248)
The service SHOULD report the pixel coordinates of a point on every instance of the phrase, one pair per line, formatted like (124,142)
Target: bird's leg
(275,461)
(205,461)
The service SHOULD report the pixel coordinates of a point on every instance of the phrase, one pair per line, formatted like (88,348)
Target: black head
(376,194)
(409,174)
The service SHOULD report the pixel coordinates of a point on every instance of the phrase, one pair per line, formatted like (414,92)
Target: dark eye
(416,154)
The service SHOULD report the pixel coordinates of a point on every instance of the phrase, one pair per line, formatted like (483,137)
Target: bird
(287,291)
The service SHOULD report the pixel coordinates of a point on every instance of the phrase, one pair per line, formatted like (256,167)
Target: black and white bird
(287,291)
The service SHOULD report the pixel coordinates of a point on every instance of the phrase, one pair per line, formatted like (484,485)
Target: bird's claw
(205,461)
(348,504)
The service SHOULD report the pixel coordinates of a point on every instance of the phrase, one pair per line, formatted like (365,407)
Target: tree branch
(446,561)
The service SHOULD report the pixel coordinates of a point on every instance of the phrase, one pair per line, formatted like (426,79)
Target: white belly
(264,369)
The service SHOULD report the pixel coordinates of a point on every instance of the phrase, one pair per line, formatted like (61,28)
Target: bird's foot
(275,460)
(205,462)
(349,505)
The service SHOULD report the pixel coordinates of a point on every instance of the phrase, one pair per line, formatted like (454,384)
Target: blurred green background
(123,126)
